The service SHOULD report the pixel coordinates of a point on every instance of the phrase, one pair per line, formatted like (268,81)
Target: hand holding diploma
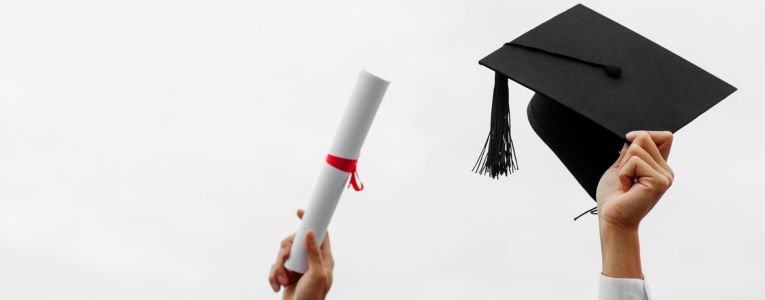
(315,283)
(340,165)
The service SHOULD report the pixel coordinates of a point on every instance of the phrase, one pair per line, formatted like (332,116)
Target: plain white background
(158,150)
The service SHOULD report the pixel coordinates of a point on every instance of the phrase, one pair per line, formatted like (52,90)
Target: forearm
(620,249)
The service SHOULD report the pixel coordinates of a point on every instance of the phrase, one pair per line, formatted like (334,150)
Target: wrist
(620,249)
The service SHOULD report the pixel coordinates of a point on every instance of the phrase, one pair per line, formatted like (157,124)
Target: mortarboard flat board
(595,80)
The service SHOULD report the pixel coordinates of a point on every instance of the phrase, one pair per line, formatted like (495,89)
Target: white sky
(158,150)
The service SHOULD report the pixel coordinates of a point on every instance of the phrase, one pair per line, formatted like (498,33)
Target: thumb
(313,251)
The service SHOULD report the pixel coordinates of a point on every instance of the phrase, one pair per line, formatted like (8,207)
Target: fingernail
(275,287)
(631,135)
(282,279)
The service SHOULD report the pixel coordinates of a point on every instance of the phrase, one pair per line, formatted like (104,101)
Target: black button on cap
(613,71)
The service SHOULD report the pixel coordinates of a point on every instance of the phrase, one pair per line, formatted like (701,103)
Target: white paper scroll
(349,138)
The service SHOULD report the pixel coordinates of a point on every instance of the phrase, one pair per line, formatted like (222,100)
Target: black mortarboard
(595,81)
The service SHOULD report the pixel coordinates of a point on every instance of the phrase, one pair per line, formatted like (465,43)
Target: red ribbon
(349,166)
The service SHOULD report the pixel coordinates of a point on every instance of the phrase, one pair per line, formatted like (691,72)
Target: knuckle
(633,150)
(662,182)
(277,271)
(671,176)
(323,276)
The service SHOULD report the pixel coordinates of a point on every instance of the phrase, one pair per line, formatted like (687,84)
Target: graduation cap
(595,81)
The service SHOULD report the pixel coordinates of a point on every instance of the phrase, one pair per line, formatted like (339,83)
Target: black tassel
(498,154)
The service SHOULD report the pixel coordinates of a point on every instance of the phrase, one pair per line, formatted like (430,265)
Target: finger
(650,181)
(274,275)
(300,213)
(272,280)
(313,252)
(662,139)
(641,174)
(645,141)
(286,242)
(278,277)
(636,150)
(279,271)
(627,174)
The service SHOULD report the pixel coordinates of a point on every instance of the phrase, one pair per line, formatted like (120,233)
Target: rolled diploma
(357,119)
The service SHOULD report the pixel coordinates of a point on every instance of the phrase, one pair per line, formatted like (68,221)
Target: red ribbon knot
(348,166)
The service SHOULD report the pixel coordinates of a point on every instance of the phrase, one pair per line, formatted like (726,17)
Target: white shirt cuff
(623,289)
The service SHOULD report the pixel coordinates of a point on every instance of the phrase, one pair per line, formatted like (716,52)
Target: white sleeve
(623,289)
